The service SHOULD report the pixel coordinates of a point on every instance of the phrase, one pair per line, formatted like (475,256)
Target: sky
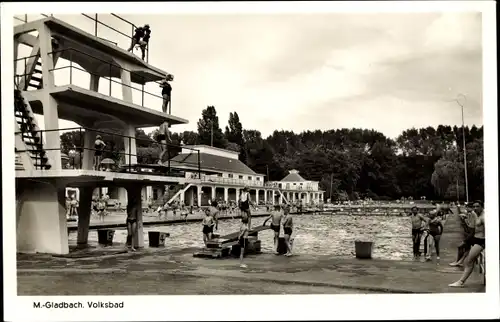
(298,72)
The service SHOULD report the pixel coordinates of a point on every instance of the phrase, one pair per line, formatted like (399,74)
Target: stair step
(38,63)
(35,86)
(36,71)
(38,79)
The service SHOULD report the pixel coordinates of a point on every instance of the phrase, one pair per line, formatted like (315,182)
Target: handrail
(98,22)
(81,146)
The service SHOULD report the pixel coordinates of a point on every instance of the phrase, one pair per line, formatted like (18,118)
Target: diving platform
(86,106)
(82,178)
(84,42)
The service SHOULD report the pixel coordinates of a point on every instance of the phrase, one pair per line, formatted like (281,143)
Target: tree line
(349,163)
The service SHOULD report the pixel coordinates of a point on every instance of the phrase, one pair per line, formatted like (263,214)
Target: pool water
(313,234)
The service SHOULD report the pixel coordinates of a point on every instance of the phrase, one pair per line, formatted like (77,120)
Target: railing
(214,179)
(117,155)
(99,22)
(107,70)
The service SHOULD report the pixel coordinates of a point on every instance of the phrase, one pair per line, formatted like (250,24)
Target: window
(249,178)
(258,178)
(294,184)
(301,184)
(230,175)
(219,174)
(241,177)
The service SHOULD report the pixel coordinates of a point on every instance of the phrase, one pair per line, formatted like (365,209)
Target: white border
(312,307)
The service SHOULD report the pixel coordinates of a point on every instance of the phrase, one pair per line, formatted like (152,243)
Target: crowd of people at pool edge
(429,228)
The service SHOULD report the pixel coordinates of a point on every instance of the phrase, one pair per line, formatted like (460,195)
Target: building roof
(210,162)
(293,176)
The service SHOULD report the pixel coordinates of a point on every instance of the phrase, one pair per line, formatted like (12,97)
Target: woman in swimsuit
(245,206)
(478,245)
(208,227)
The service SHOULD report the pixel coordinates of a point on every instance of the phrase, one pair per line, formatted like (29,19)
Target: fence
(97,20)
(214,179)
(116,155)
(108,71)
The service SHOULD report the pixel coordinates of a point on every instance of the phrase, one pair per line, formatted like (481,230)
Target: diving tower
(113,104)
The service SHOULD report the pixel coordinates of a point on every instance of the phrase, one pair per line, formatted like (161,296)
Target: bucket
(363,249)
(157,238)
(105,236)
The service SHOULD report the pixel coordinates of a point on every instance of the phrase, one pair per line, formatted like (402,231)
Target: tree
(234,134)
(208,125)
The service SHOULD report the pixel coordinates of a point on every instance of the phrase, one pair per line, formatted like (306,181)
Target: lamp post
(463,142)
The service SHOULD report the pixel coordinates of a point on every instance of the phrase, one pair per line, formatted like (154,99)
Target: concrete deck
(85,42)
(83,105)
(174,271)
(79,178)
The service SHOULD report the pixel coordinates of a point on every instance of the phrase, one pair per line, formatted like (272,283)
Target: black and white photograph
(250,149)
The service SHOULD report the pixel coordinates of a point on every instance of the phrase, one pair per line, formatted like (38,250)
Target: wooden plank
(233,236)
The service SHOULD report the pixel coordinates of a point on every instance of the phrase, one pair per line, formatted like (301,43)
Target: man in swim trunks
(163,138)
(208,226)
(478,242)
(468,221)
(131,226)
(214,212)
(244,201)
(144,42)
(416,230)
(288,230)
(99,146)
(242,238)
(166,93)
(275,218)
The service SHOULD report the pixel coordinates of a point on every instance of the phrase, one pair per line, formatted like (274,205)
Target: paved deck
(174,271)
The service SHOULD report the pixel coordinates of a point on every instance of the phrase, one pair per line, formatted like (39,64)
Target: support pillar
(126,83)
(42,226)
(94,83)
(273,196)
(130,146)
(134,203)
(84,211)
(87,161)
(237,197)
(226,195)
(265,196)
(198,191)
(212,195)
(257,197)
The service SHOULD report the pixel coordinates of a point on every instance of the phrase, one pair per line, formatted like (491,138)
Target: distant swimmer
(245,206)
(208,226)
(416,230)
(242,238)
(288,230)
(275,218)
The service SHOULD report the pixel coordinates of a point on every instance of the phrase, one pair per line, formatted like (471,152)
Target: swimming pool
(323,234)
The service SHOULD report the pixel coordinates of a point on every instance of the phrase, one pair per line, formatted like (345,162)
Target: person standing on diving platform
(164,140)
